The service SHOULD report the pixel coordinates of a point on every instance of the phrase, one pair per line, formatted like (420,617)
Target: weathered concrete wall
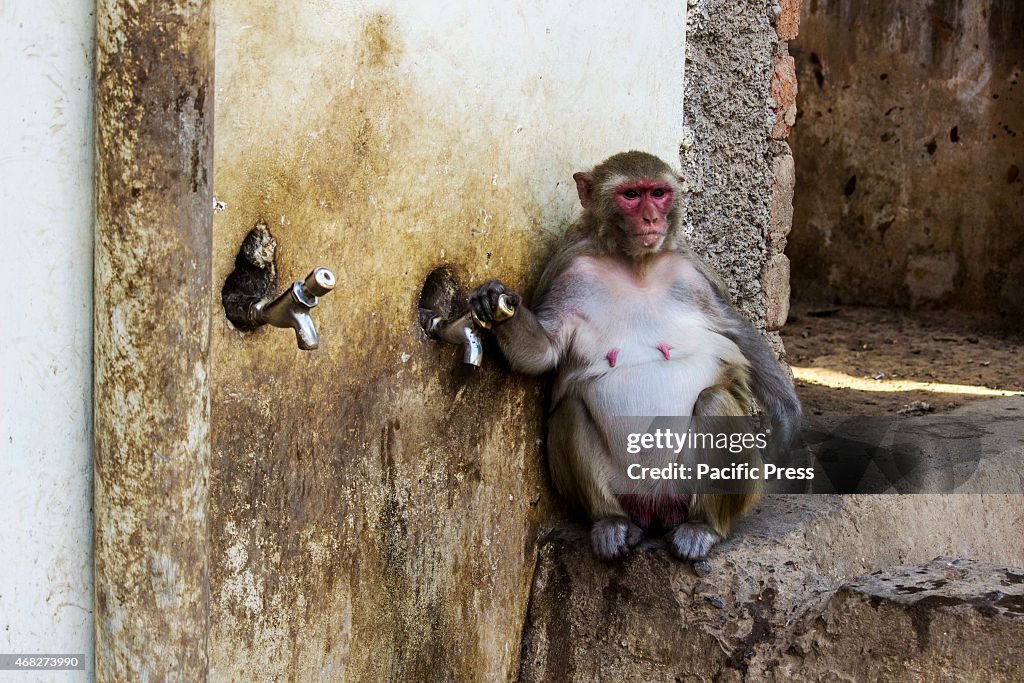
(740,104)
(910,153)
(151,459)
(374,507)
(46,176)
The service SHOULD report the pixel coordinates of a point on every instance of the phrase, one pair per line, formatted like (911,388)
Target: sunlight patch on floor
(840,380)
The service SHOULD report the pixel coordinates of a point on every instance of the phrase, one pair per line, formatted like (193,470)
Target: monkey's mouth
(648,239)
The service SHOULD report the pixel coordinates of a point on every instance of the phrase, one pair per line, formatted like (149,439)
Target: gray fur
(613,537)
(571,298)
(692,541)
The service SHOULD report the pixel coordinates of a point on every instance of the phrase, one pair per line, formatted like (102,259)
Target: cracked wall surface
(374,506)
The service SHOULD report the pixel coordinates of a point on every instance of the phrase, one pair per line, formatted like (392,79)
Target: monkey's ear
(584,183)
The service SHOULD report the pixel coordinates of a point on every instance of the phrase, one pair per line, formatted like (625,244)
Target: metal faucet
(465,330)
(291,309)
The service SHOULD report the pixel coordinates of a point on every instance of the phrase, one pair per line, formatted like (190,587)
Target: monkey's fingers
(480,307)
(490,301)
(487,306)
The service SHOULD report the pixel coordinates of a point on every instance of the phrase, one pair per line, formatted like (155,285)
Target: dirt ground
(885,348)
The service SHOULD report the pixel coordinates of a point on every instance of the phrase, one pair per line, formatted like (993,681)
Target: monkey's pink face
(645,204)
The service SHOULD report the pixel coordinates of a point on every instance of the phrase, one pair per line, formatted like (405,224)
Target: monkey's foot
(691,541)
(614,537)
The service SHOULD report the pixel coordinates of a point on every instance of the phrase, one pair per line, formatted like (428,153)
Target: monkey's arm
(769,381)
(526,344)
(530,343)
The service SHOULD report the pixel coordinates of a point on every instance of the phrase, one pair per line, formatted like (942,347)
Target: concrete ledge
(651,618)
(948,620)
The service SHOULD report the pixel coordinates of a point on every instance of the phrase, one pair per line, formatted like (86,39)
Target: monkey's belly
(656,388)
(659,388)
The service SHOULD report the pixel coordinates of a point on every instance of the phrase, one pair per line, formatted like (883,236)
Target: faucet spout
(292,308)
(462,331)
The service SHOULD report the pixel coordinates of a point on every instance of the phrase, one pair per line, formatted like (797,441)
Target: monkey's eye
(631,194)
(660,192)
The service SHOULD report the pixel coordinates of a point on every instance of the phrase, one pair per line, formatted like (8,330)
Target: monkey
(634,323)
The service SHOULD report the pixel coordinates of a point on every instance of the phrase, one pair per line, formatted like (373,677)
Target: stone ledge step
(947,620)
(650,618)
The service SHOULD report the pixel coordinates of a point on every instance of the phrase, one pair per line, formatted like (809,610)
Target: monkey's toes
(692,541)
(614,538)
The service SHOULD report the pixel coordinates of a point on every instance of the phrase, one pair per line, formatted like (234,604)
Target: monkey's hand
(484,300)
(524,341)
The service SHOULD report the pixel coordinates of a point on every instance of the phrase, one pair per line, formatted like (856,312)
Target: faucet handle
(319,282)
(292,307)
(505,309)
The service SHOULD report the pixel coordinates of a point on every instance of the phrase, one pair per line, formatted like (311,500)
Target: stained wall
(909,155)
(374,506)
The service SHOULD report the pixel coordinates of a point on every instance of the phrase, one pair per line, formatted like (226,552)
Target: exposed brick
(784,93)
(781,211)
(788,23)
(776,291)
